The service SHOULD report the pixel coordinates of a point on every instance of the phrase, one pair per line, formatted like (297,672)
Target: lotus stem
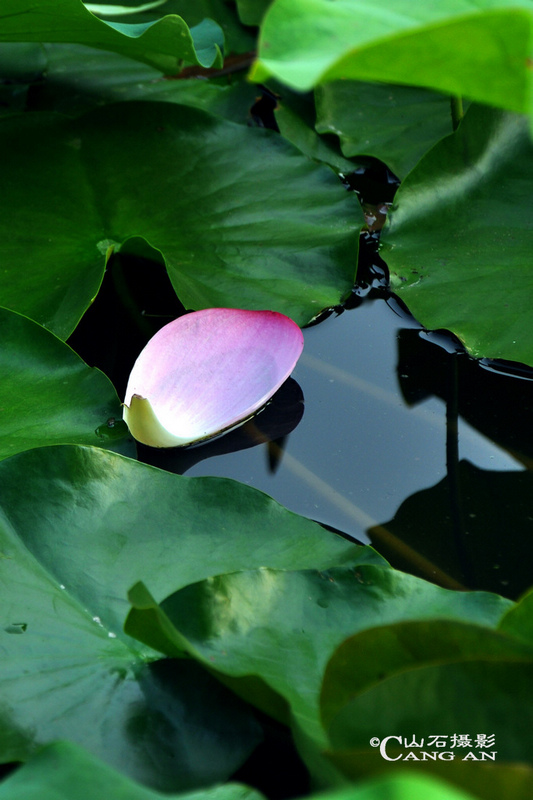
(452,469)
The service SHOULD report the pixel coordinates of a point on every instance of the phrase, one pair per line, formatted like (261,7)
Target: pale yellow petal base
(144,426)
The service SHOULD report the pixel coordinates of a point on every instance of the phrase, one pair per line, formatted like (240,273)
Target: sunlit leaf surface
(459,241)
(403,42)
(164,44)
(91,524)
(283,626)
(104,10)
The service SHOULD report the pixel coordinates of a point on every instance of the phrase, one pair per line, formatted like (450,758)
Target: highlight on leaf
(208,371)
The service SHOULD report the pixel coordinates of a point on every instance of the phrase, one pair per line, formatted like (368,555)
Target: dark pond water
(362,451)
(359,449)
(403,442)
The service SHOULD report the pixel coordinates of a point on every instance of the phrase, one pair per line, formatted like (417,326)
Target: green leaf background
(91,524)
(253,607)
(397,124)
(284,626)
(458,673)
(48,395)
(165,43)
(80,78)
(459,239)
(61,769)
(403,43)
(241,218)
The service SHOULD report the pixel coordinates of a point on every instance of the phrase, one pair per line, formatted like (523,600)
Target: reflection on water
(372,456)
(362,448)
(359,449)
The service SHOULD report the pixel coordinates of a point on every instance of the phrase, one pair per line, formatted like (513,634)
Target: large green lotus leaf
(399,787)
(80,78)
(236,38)
(306,42)
(283,626)
(295,116)
(397,124)
(48,395)
(62,771)
(79,526)
(367,659)
(484,780)
(20,65)
(138,519)
(459,241)
(67,674)
(518,620)
(105,10)
(241,217)
(165,43)
(21,62)
(252,12)
(52,247)
(72,79)
(467,679)
(475,696)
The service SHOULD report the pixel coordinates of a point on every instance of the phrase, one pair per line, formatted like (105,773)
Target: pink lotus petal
(208,371)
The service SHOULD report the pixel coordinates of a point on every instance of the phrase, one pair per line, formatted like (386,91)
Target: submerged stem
(452,469)
(456,107)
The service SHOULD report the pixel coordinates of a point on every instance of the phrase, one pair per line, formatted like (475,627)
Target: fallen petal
(208,371)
